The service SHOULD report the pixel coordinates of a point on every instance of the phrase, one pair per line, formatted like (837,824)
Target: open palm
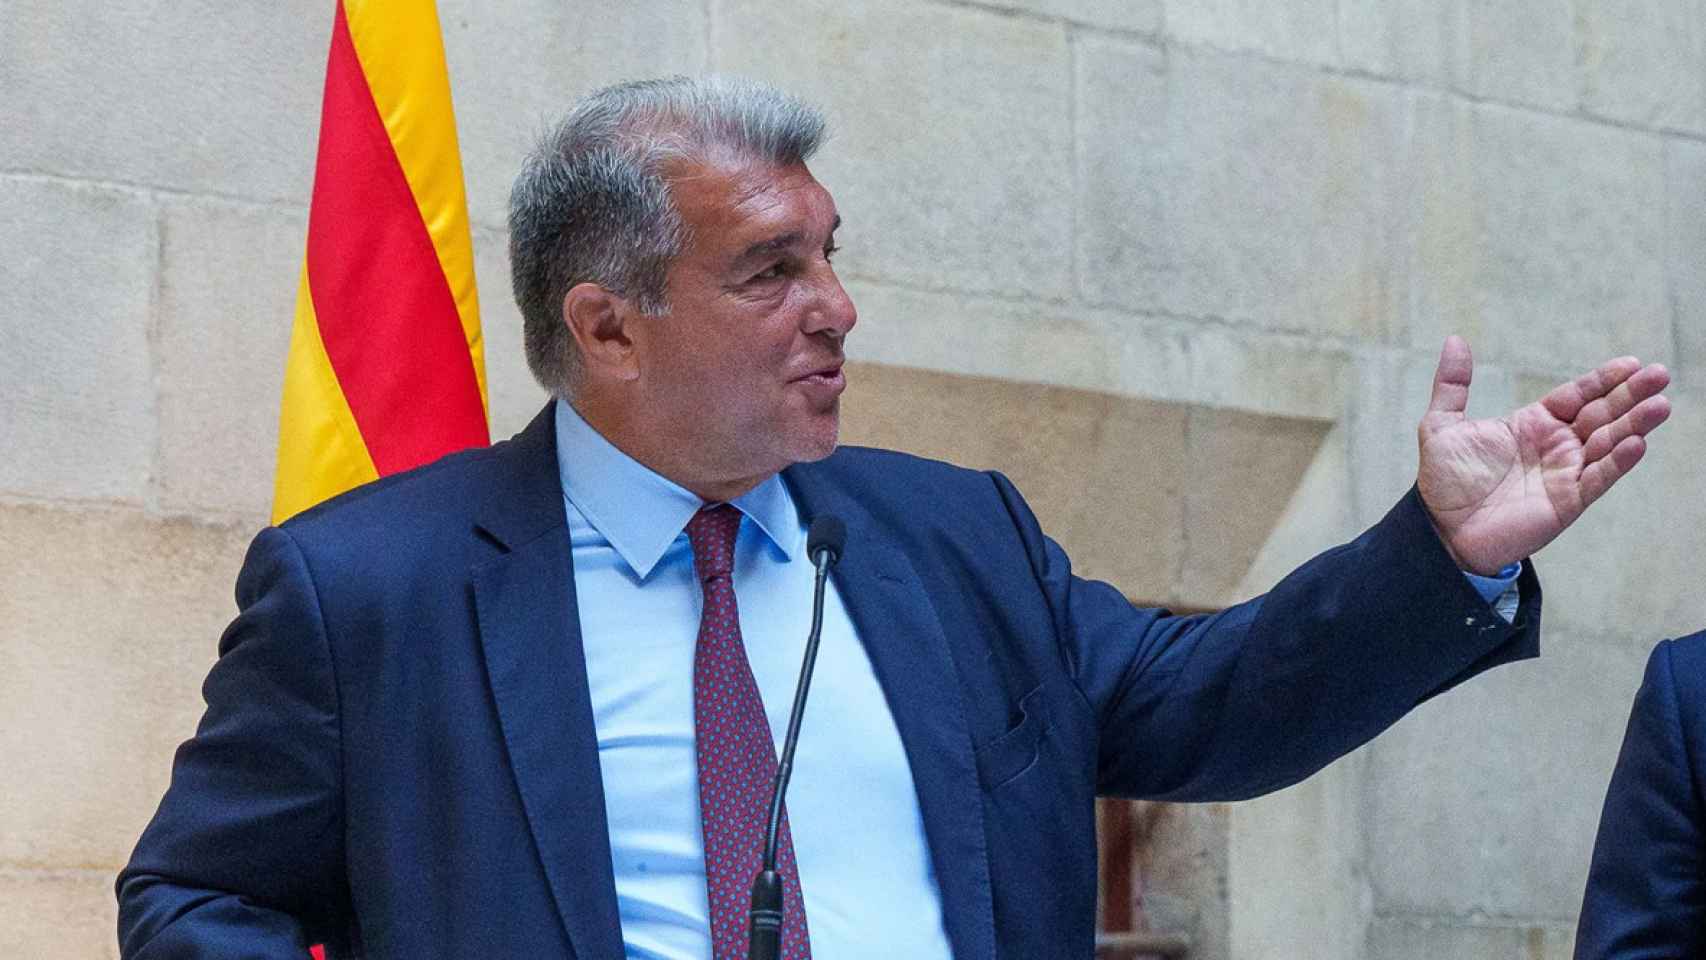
(1500,489)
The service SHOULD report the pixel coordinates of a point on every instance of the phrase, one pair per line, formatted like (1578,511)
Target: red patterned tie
(737,755)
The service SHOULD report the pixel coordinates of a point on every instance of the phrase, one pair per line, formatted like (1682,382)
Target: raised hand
(1500,489)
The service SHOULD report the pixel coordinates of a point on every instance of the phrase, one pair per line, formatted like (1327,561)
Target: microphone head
(827,535)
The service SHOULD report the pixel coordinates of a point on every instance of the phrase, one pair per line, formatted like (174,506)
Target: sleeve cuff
(1498,590)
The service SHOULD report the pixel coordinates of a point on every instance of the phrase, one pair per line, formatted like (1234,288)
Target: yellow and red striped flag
(386,368)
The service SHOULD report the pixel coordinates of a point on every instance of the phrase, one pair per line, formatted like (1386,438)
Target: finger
(1601,474)
(1567,399)
(1642,420)
(1451,377)
(1644,383)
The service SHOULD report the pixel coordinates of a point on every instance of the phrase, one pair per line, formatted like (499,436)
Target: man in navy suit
(465,711)
(1646,892)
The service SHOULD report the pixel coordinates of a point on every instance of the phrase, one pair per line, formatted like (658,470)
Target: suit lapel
(902,634)
(530,632)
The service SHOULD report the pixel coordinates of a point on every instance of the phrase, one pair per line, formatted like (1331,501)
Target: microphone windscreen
(826,533)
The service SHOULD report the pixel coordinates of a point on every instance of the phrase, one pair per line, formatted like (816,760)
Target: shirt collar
(642,512)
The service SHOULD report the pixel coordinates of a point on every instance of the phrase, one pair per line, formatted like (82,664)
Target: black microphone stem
(827,538)
(785,767)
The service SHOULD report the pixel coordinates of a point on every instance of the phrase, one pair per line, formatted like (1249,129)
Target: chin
(816,442)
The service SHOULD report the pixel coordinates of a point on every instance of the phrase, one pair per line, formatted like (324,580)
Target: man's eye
(773,272)
(830,251)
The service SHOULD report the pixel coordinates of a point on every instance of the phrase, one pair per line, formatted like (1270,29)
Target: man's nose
(832,310)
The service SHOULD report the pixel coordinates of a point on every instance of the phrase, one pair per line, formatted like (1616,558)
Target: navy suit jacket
(1646,892)
(398,755)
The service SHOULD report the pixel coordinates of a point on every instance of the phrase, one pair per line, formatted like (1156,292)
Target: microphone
(825,541)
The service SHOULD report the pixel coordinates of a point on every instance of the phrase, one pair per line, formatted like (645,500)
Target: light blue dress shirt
(865,871)
(869,885)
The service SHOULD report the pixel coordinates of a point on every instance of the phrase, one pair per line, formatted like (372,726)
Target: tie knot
(712,533)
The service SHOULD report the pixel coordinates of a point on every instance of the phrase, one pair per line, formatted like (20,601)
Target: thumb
(1451,378)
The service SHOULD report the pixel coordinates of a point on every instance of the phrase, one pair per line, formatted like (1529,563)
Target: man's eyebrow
(778,244)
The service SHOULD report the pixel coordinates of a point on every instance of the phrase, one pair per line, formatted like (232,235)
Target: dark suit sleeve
(1258,696)
(1645,896)
(244,855)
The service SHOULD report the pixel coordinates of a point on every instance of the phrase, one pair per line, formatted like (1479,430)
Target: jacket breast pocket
(1009,755)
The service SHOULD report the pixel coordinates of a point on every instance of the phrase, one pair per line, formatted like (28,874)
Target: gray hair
(592,204)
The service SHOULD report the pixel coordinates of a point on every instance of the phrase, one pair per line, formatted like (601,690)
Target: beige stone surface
(947,160)
(1280,374)
(1521,51)
(1099,349)
(1534,236)
(1241,473)
(76,289)
(1421,40)
(1296,881)
(227,301)
(1640,62)
(109,621)
(1103,474)
(517,66)
(1424,938)
(193,95)
(1184,866)
(1169,502)
(58,914)
(1486,799)
(1142,16)
(1300,30)
(1318,515)
(1685,234)
(1218,186)
(1039,343)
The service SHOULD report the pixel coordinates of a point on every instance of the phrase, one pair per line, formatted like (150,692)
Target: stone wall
(1234,212)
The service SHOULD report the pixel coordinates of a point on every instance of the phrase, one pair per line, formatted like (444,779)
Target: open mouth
(825,375)
(829,381)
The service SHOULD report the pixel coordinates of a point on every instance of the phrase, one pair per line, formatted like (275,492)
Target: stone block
(1295,879)
(1685,252)
(1103,473)
(1281,374)
(1098,349)
(950,155)
(1644,62)
(1317,515)
(1513,52)
(1219,186)
(1013,340)
(1408,39)
(1181,853)
(1140,16)
(227,303)
(58,915)
(513,397)
(200,95)
(1486,799)
(1244,471)
(1298,30)
(517,67)
(1629,567)
(1521,51)
(1538,238)
(1424,938)
(109,620)
(77,274)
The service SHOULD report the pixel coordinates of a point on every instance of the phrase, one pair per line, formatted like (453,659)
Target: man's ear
(598,320)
